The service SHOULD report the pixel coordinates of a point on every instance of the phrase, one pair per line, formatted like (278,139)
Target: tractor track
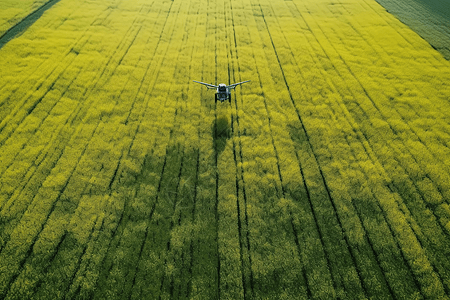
(117,180)
(244,240)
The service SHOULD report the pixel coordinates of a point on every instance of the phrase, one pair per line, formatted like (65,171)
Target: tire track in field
(26,22)
(44,168)
(351,204)
(152,71)
(216,154)
(283,192)
(44,227)
(161,192)
(194,212)
(276,187)
(329,197)
(72,117)
(20,108)
(399,241)
(186,194)
(73,290)
(359,216)
(166,280)
(353,124)
(300,120)
(41,65)
(406,149)
(76,254)
(13,270)
(25,95)
(244,240)
(369,240)
(378,107)
(414,133)
(41,168)
(210,46)
(140,275)
(145,88)
(69,55)
(179,254)
(36,138)
(352,250)
(428,238)
(238,277)
(170,285)
(100,84)
(242,203)
(124,221)
(141,86)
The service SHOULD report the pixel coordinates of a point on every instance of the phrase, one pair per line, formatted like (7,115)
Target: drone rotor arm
(208,85)
(234,85)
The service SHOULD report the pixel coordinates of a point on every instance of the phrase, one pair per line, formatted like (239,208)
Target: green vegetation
(327,177)
(11,12)
(429,18)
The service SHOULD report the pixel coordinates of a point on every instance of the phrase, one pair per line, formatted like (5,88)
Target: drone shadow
(221,132)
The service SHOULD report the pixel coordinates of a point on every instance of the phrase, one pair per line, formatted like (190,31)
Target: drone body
(223,91)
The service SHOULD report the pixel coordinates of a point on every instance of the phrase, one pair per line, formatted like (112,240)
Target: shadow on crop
(221,132)
(297,134)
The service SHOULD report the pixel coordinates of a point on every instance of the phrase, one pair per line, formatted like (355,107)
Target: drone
(223,91)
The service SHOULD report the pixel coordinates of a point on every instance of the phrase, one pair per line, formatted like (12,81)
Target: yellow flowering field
(12,12)
(430,19)
(326,177)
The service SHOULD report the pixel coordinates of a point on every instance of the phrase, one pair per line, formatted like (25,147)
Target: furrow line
(25,221)
(244,245)
(39,81)
(351,249)
(436,263)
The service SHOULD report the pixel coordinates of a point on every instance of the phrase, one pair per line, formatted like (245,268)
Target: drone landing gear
(229,98)
(215,98)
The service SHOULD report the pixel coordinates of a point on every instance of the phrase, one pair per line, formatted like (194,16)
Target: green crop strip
(430,19)
(12,12)
(327,176)
(23,24)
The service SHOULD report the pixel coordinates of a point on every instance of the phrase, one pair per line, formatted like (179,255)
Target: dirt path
(23,25)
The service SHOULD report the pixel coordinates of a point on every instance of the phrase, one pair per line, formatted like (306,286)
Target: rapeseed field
(430,19)
(326,177)
(12,12)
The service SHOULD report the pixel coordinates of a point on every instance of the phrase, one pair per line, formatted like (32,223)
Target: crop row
(326,177)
